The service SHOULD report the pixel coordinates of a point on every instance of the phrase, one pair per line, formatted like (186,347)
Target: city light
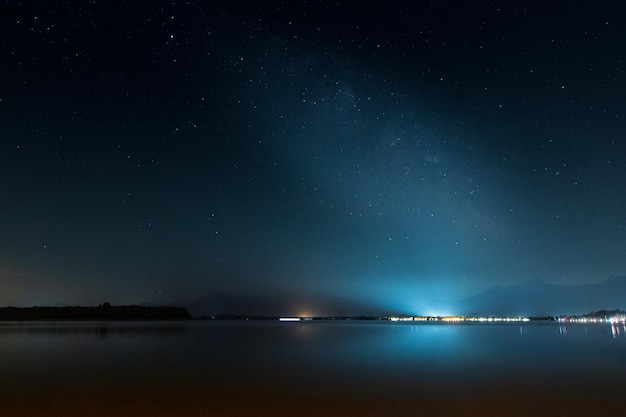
(458,319)
(576,319)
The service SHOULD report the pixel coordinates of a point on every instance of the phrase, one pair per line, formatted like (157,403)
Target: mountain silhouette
(292,303)
(530,298)
(537,298)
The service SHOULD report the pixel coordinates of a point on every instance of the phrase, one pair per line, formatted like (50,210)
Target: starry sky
(396,151)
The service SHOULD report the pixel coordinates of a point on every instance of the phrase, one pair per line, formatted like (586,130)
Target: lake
(319,368)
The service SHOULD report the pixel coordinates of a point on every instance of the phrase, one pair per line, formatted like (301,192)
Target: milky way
(157,152)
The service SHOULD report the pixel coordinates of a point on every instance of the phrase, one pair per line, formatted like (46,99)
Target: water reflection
(101,330)
(299,365)
(618,329)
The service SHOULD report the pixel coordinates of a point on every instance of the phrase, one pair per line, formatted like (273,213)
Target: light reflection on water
(618,329)
(356,358)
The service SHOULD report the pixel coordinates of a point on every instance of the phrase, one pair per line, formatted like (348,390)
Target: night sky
(397,151)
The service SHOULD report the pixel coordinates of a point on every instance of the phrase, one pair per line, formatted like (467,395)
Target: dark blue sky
(394,150)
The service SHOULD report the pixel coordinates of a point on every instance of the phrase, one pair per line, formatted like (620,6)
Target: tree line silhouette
(103,312)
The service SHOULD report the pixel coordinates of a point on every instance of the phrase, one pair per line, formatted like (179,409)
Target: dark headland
(102,312)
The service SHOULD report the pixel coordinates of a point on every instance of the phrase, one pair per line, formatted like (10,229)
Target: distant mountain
(537,298)
(603,314)
(293,303)
(531,298)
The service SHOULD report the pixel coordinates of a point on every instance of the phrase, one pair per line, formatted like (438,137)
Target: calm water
(311,368)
